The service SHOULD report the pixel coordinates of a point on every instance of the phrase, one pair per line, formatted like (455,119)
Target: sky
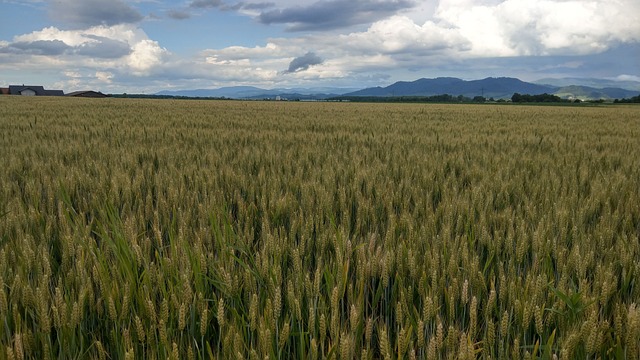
(145,46)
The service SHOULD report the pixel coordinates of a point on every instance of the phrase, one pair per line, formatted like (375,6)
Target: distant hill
(591,82)
(231,92)
(251,92)
(498,88)
(589,93)
(293,96)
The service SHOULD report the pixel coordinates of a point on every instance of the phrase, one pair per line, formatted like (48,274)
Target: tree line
(546,98)
(632,100)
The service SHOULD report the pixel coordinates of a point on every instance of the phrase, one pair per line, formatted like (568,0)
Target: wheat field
(143,229)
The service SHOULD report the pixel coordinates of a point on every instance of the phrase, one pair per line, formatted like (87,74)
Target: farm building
(87,93)
(29,90)
(4,91)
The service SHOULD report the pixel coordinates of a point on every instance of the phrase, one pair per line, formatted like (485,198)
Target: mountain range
(489,87)
(251,92)
(497,88)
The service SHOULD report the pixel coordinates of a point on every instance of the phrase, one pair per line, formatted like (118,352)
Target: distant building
(4,91)
(30,90)
(87,93)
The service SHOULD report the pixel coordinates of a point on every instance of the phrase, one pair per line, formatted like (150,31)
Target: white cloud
(214,60)
(107,44)
(498,28)
(546,27)
(399,34)
(72,74)
(71,38)
(626,77)
(241,52)
(104,76)
(146,55)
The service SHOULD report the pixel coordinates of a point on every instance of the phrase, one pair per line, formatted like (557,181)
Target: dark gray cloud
(38,47)
(178,14)
(205,4)
(258,6)
(220,5)
(86,13)
(186,13)
(304,62)
(333,14)
(247,6)
(103,47)
(234,7)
